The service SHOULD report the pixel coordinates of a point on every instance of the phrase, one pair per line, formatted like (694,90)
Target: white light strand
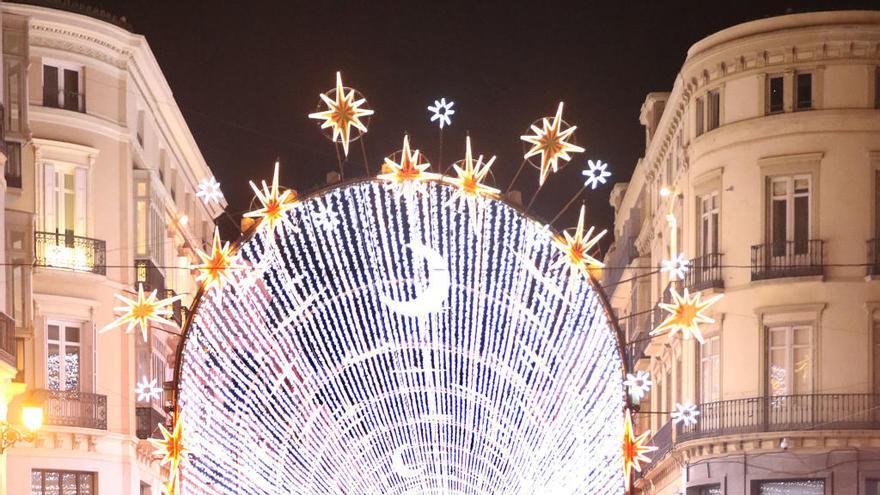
(307,382)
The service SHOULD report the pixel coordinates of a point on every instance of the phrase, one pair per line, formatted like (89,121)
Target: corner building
(99,190)
(766,153)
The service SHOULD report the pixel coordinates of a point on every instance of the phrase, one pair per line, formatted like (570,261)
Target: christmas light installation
(217,267)
(405,176)
(274,202)
(635,448)
(442,112)
(685,413)
(343,112)
(576,248)
(638,384)
(676,267)
(148,390)
(596,174)
(550,141)
(209,191)
(142,310)
(172,451)
(348,392)
(469,182)
(686,313)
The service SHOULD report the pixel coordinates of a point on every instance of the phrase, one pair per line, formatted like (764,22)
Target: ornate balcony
(784,413)
(704,273)
(72,408)
(874,257)
(71,252)
(788,259)
(7,340)
(148,419)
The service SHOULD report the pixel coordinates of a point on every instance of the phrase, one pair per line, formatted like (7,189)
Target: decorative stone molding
(59,37)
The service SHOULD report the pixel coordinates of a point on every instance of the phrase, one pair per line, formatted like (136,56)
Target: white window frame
(62,66)
(789,198)
(62,349)
(789,347)
(711,230)
(713,361)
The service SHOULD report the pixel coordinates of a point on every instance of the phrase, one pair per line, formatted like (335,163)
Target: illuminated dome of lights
(386,343)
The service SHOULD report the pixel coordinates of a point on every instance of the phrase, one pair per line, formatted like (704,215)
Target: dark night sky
(245,78)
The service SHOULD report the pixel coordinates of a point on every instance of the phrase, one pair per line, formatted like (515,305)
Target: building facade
(762,166)
(100,187)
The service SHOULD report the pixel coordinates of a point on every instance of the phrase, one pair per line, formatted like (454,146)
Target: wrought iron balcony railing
(72,408)
(662,439)
(71,252)
(148,419)
(874,257)
(704,273)
(8,348)
(788,259)
(784,413)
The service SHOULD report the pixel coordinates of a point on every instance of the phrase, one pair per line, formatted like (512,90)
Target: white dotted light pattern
(305,379)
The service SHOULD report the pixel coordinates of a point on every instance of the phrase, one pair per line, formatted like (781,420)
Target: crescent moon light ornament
(432,298)
(400,467)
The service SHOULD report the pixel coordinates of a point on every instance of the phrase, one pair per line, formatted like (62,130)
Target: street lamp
(32,418)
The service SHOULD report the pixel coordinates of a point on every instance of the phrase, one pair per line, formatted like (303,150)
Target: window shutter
(81,190)
(49,197)
(71,90)
(50,86)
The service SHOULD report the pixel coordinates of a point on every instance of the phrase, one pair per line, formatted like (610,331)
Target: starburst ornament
(549,141)
(409,170)
(142,310)
(216,268)
(342,114)
(597,174)
(171,448)
(442,112)
(148,390)
(639,384)
(576,248)
(634,448)
(685,413)
(209,191)
(274,202)
(676,267)
(686,314)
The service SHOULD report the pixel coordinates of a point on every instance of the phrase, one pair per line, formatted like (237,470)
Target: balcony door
(789,214)
(64,199)
(789,375)
(64,356)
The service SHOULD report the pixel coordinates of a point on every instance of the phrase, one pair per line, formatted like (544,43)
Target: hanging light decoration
(142,310)
(576,248)
(172,450)
(686,313)
(343,112)
(635,448)
(596,174)
(216,268)
(442,112)
(638,385)
(550,141)
(274,202)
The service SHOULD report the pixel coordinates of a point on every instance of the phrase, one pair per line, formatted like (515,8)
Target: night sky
(246,75)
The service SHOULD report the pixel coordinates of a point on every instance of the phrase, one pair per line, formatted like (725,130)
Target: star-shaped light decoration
(639,384)
(216,268)
(171,448)
(148,390)
(170,487)
(409,171)
(342,114)
(597,173)
(142,310)
(685,413)
(634,448)
(209,191)
(275,203)
(686,314)
(676,267)
(469,179)
(550,142)
(442,112)
(576,248)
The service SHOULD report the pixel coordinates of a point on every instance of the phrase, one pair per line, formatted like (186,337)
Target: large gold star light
(686,314)
(576,248)
(550,142)
(409,169)
(342,114)
(634,448)
(471,175)
(172,449)
(216,268)
(275,203)
(141,311)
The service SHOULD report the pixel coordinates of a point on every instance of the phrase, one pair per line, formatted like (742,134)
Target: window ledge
(788,280)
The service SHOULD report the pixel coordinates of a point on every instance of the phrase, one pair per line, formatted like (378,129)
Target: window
(710,214)
(775,94)
(699,116)
(61,88)
(872,486)
(14,93)
(804,91)
(790,214)
(876,363)
(877,87)
(790,360)
(705,490)
(44,482)
(64,199)
(63,356)
(16,274)
(13,164)
(710,370)
(714,109)
(790,487)
(150,230)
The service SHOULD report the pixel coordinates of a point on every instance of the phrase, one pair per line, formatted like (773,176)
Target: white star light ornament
(148,390)
(685,413)
(442,112)
(209,191)
(676,267)
(597,174)
(639,384)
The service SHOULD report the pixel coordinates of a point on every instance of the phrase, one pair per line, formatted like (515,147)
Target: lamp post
(32,419)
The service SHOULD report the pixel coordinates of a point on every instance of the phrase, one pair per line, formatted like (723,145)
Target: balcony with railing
(71,252)
(784,413)
(72,408)
(800,258)
(873,257)
(663,440)
(148,421)
(704,273)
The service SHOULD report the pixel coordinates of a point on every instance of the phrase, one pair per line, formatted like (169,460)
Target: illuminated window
(790,487)
(775,94)
(64,199)
(61,86)
(710,370)
(63,356)
(790,360)
(45,482)
(150,228)
(705,490)
(804,91)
